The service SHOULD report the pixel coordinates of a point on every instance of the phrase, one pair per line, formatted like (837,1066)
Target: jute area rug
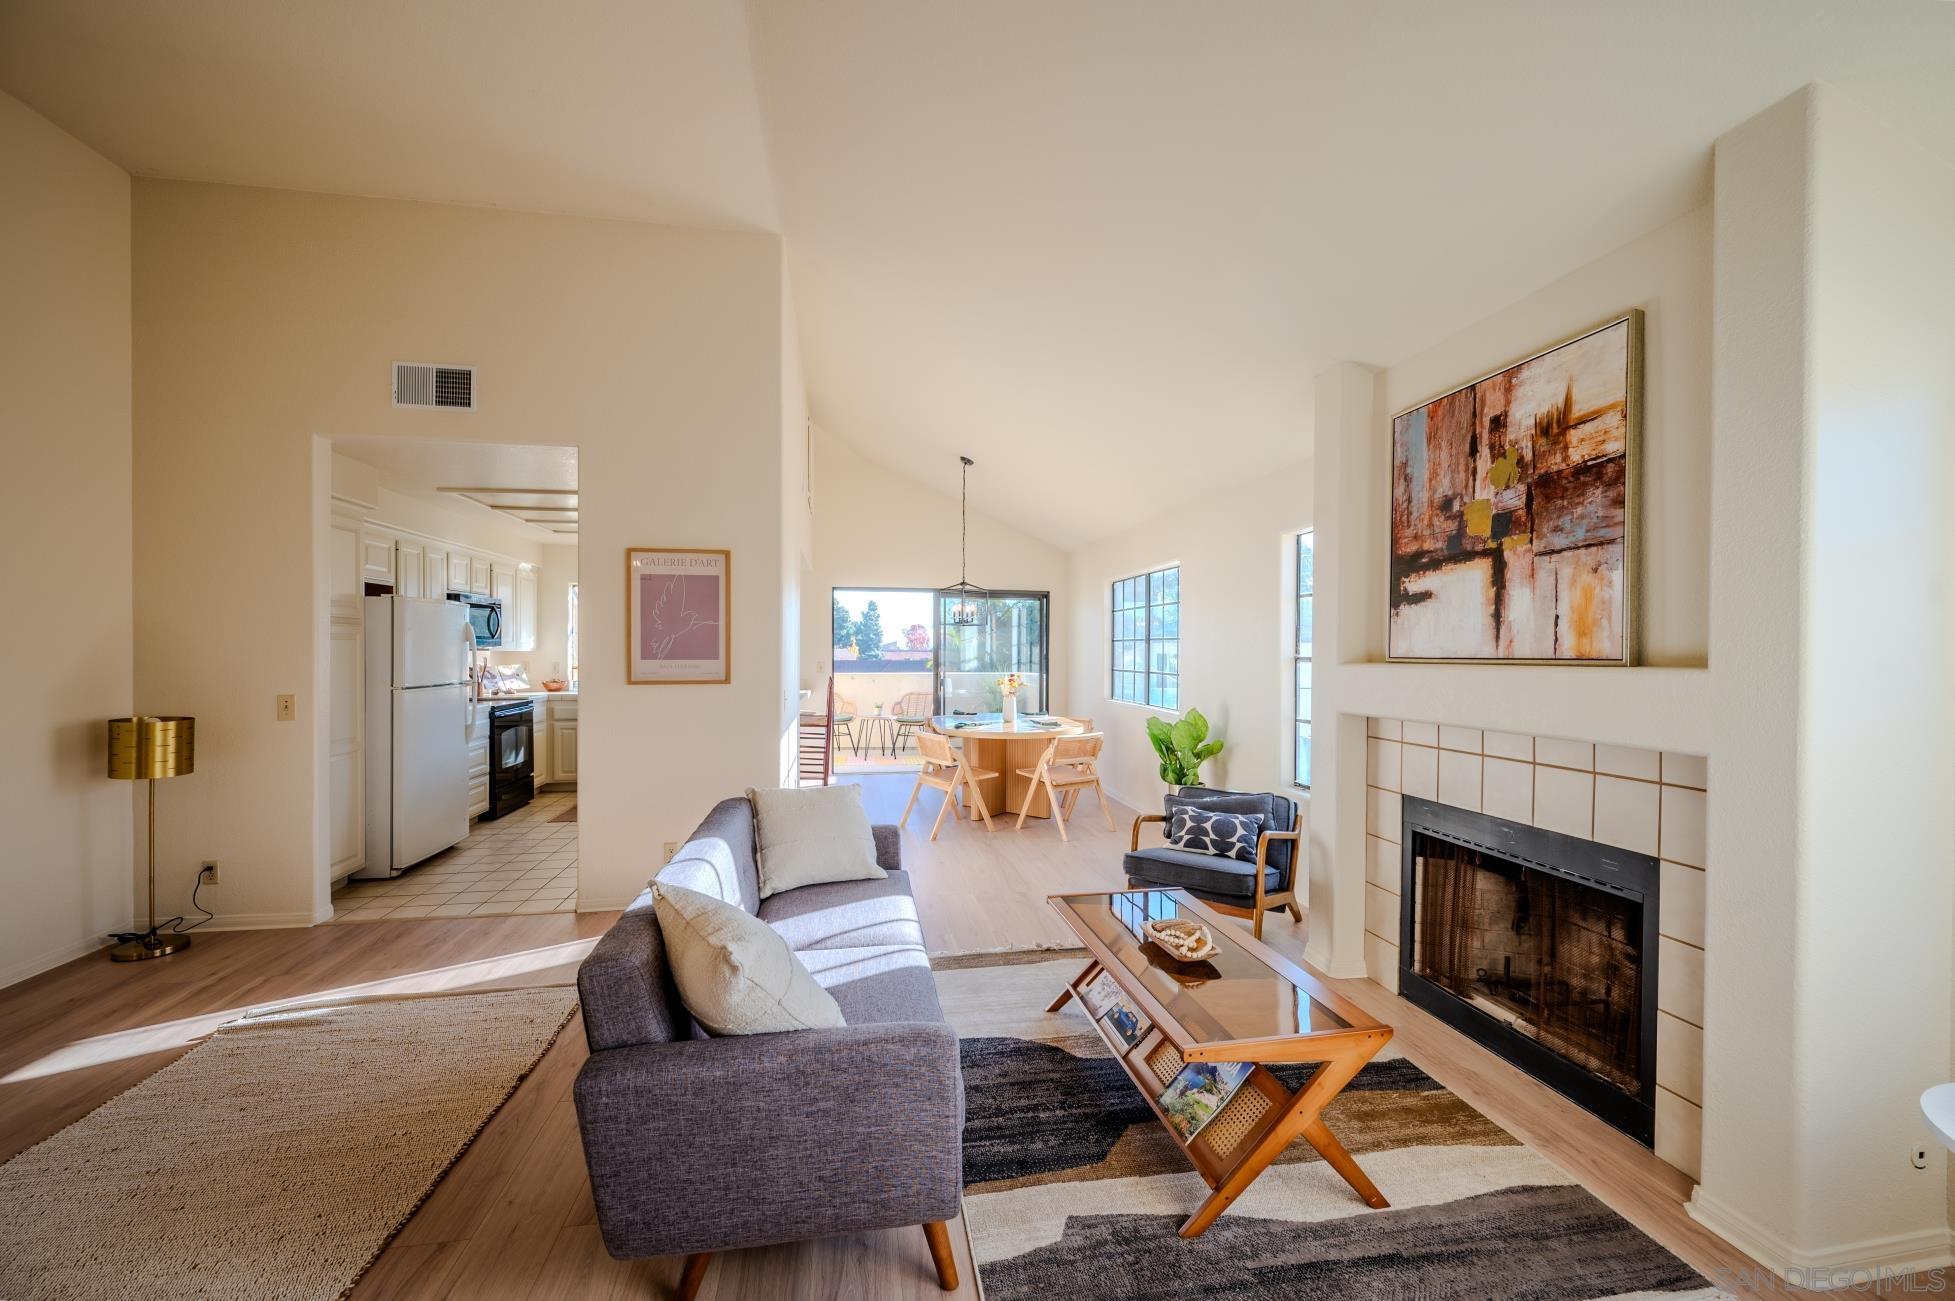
(1072,1189)
(275,1159)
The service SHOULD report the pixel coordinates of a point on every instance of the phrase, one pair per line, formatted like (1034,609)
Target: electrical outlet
(1918,1158)
(671,848)
(208,873)
(288,708)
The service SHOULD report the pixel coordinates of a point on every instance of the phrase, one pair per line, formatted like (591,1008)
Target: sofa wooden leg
(938,1232)
(693,1275)
(1295,912)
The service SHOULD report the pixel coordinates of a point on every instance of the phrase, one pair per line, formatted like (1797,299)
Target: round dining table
(1004,748)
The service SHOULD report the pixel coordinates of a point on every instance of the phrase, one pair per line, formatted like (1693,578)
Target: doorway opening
(453,755)
(900,659)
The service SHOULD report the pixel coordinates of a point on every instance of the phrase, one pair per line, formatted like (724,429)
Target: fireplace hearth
(1540,946)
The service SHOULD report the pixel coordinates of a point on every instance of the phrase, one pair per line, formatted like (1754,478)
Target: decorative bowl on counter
(554,684)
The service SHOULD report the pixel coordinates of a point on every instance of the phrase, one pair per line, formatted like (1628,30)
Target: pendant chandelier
(966,602)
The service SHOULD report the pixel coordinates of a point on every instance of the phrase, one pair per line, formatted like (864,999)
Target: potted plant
(1183,746)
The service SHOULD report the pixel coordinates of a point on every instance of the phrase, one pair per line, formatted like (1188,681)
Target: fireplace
(1540,946)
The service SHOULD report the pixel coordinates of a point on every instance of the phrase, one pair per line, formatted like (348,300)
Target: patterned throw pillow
(1225,835)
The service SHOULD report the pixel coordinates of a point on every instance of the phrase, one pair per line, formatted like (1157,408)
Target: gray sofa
(699,1144)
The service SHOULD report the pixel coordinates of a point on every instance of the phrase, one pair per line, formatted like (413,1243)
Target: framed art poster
(1514,509)
(678,615)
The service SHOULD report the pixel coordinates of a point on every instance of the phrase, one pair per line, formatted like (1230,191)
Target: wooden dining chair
(1068,766)
(946,769)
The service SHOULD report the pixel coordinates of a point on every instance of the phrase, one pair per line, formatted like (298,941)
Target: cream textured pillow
(811,835)
(735,975)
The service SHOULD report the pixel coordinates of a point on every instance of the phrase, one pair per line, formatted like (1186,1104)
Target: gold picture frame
(1399,562)
(678,616)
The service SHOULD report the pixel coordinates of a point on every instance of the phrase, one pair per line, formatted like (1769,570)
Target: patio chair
(841,723)
(912,715)
(1068,766)
(946,769)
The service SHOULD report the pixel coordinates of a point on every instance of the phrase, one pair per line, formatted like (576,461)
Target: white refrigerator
(417,721)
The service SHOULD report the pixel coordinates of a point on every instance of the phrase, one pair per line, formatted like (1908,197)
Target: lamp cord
(174,924)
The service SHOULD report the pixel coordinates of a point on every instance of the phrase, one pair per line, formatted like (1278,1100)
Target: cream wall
(266,322)
(1828,1003)
(876,528)
(1237,635)
(64,427)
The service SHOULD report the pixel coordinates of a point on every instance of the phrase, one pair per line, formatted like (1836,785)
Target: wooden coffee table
(1247,1003)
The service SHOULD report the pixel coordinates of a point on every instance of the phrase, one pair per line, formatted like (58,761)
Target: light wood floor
(514,1217)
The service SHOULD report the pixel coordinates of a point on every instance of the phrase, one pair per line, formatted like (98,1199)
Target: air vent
(419,385)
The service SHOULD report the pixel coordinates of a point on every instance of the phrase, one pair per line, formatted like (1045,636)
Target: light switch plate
(288,708)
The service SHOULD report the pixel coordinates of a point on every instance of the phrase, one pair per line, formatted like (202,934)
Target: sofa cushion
(719,860)
(810,835)
(846,914)
(1225,877)
(735,974)
(877,984)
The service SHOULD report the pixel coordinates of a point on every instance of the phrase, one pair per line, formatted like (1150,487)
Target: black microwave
(484,617)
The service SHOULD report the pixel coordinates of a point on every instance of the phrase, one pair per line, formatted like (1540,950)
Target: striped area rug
(1072,1189)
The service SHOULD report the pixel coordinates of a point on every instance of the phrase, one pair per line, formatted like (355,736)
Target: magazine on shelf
(1100,994)
(1198,1094)
(1126,1022)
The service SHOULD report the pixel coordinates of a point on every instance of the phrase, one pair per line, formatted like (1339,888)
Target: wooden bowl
(1182,940)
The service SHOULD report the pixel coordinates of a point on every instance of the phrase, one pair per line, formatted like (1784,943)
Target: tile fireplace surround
(1635,799)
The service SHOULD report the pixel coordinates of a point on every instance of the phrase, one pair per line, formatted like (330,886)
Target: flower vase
(1011,711)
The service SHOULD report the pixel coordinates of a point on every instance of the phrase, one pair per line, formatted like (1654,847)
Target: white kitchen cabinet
(434,572)
(524,619)
(346,752)
(408,569)
(458,568)
(563,751)
(376,557)
(478,760)
(481,575)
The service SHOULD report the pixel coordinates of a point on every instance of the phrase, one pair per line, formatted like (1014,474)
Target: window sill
(1163,710)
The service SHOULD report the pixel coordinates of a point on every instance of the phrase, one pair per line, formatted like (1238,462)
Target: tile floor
(522,863)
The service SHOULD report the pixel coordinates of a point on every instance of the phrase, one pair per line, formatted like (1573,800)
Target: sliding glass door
(1009,637)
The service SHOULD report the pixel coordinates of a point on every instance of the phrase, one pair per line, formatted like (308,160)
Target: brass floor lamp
(148,749)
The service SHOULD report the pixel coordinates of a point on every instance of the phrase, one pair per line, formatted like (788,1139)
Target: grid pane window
(1146,653)
(1306,587)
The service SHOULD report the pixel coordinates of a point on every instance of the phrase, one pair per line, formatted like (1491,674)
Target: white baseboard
(1846,1264)
(603,905)
(258,921)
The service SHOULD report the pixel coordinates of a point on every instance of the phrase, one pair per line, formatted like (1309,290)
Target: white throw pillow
(811,835)
(735,974)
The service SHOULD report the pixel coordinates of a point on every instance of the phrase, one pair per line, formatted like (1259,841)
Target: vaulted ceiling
(1100,246)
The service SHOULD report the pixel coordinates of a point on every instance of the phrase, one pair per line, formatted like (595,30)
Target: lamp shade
(149,748)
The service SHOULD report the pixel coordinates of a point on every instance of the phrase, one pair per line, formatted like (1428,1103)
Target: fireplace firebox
(1540,946)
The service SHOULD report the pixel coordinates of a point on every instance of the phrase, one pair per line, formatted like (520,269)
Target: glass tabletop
(1233,995)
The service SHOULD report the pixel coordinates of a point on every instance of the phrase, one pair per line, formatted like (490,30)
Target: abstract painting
(678,615)
(1511,510)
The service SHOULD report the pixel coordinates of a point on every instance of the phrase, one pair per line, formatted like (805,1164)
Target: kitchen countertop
(538,696)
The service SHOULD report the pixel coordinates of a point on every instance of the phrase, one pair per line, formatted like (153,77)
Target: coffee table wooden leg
(1303,1112)
(1092,970)
(1318,1135)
